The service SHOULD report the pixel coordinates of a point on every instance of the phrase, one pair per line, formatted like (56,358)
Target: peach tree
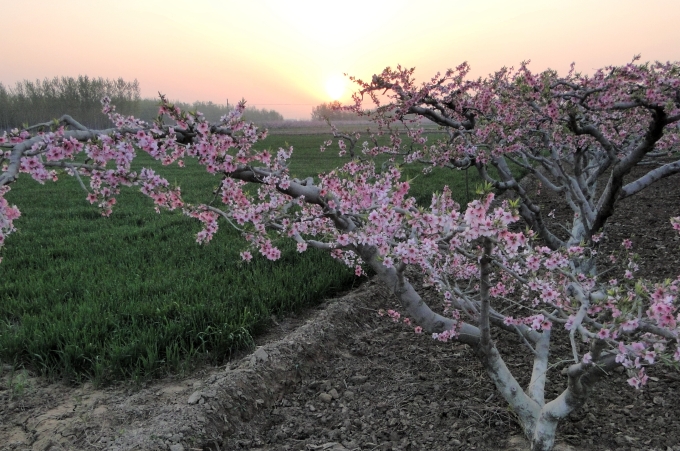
(573,133)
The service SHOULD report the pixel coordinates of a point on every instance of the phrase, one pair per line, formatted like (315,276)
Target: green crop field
(130,297)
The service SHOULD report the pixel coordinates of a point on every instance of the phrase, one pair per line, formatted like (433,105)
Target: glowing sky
(281,54)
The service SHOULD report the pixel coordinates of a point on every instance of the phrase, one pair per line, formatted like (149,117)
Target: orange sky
(280,54)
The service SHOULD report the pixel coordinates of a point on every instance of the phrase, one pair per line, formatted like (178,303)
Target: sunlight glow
(290,55)
(335,87)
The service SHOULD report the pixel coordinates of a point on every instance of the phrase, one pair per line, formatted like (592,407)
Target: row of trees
(148,110)
(29,102)
(332,111)
(579,136)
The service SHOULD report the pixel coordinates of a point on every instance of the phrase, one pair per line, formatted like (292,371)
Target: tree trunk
(543,438)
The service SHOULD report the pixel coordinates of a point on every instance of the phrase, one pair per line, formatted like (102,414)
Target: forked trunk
(585,264)
(543,438)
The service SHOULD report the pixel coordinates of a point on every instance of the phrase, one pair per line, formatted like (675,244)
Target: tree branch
(649,178)
(536,389)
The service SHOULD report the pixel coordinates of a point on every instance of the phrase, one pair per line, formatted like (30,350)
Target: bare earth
(340,377)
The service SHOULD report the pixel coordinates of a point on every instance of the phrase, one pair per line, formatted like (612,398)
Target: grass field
(133,296)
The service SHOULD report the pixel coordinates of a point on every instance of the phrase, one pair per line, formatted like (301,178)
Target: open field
(288,127)
(133,296)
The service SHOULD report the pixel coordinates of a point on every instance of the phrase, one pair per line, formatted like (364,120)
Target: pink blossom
(637,347)
(650,356)
(630,325)
(394,315)
(533,262)
(676,223)
(536,321)
(203,128)
(638,381)
(603,334)
(634,382)
(575,250)
(246,256)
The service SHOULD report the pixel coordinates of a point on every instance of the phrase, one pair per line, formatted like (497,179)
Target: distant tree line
(148,110)
(332,112)
(31,102)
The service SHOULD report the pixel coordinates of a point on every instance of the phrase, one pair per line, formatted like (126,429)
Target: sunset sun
(335,87)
